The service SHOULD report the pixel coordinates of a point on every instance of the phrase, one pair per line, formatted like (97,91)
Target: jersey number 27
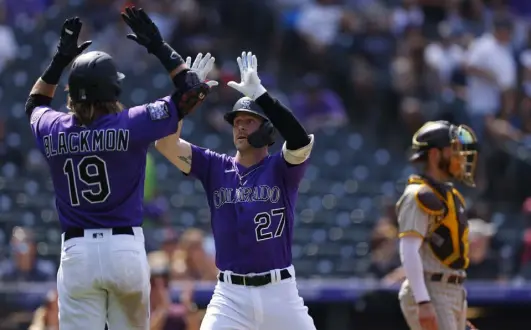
(92,172)
(263,222)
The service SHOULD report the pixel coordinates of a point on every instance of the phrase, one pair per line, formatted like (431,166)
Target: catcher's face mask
(463,143)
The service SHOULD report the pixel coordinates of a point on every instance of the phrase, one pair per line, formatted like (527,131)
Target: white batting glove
(202,66)
(250,84)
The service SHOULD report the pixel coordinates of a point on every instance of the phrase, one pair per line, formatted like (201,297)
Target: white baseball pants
(104,277)
(275,306)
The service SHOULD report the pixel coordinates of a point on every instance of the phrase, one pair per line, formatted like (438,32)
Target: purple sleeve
(203,160)
(41,121)
(293,174)
(153,121)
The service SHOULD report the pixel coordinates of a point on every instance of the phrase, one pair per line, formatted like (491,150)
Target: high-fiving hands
(68,43)
(202,67)
(190,89)
(67,50)
(145,32)
(250,84)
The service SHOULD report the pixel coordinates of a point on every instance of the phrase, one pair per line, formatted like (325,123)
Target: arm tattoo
(187,160)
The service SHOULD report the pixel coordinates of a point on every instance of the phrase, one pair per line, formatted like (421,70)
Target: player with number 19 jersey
(98,171)
(97,157)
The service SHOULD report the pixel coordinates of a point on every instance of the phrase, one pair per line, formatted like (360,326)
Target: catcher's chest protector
(448,232)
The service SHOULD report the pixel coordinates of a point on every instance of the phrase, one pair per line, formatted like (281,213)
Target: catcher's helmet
(442,134)
(265,135)
(94,78)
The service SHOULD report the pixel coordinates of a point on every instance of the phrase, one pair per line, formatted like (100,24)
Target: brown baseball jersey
(435,213)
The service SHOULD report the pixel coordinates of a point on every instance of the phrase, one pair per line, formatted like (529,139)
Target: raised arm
(175,149)
(146,34)
(162,118)
(43,91)
(298,144)
(190,90)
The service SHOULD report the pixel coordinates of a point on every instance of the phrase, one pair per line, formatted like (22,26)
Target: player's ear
(446,152)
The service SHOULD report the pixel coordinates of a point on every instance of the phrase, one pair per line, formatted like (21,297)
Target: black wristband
(53,72)
(424,302)
(169,58)
(36,100)
(179,81)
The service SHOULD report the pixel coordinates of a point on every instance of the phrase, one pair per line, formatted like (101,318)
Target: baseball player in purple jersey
(252,198)
(97,158)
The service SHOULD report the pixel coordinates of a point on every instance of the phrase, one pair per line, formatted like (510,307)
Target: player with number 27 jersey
(252,198)
(252,209)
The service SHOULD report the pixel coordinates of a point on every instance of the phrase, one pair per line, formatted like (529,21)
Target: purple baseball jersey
(98,171)
(252,209)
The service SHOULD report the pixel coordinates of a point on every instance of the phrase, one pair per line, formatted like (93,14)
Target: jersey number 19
(91,171)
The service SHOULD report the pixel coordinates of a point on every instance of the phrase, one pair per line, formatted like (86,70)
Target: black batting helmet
(94,78)
(265,135)
(442,134)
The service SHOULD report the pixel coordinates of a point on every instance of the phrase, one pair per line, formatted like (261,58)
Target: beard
(444,165)
(242,145)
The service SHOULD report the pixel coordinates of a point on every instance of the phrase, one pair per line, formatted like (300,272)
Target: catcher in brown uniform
(433,228)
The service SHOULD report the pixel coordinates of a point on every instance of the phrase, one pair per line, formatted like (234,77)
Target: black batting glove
(145,32)
(67,50)
(68,47)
